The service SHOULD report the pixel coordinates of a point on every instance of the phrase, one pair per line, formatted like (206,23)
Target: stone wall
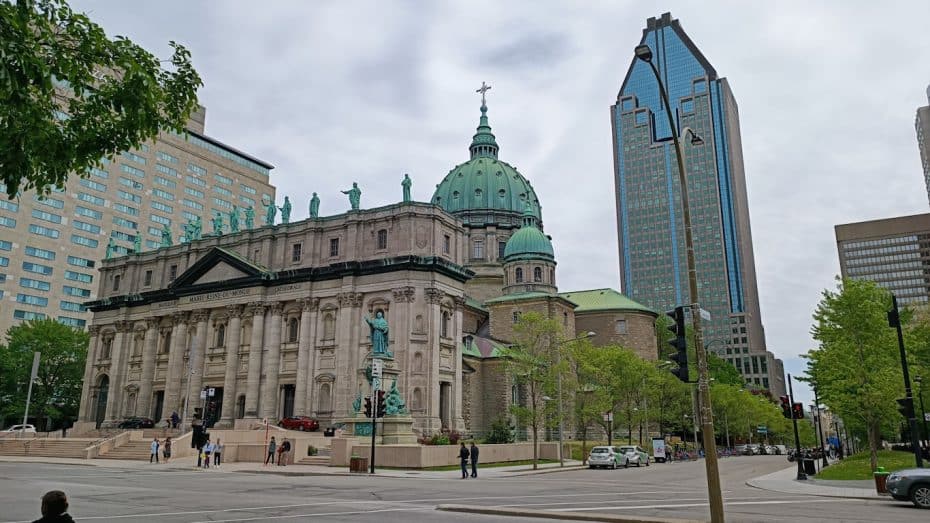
(639,335)
(425,456)
(502,315)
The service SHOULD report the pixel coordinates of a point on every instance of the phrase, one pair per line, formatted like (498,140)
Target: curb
(795,487)
(563,516)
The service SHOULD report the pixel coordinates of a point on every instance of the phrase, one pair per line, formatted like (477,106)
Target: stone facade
(635,330)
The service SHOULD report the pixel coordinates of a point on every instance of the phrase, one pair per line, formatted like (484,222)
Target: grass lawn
(527,462)
(857,466)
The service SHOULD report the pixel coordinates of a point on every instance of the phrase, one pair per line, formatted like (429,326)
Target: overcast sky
(336,92)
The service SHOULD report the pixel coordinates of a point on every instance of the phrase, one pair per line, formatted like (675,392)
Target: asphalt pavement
(174,495)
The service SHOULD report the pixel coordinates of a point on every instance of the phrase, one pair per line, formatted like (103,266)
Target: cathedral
(285,319)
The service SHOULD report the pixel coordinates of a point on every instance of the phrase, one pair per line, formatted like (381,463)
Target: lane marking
(690,505)
(291,516)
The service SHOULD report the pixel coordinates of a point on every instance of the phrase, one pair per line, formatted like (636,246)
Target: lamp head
(591,334)
(696,140)
(643,52)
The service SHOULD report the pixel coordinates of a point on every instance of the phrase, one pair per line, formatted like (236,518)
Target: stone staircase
(131,451)
(322,458)
(46,448)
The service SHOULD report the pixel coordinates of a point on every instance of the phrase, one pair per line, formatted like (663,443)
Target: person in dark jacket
(474,460)
(175,419)
(463,455)
(54,508)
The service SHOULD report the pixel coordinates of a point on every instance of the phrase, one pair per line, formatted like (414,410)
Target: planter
(358,464)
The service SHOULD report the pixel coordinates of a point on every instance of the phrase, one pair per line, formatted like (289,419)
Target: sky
(365,91)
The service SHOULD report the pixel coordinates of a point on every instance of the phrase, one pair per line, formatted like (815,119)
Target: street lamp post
(923,413)
(715,497)
(820,426)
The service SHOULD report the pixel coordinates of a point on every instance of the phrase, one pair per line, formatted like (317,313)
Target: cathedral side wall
(632,330)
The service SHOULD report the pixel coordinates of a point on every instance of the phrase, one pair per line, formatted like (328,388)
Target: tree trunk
(535,447)
(874,432)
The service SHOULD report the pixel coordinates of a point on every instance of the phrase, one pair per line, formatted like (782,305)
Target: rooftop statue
(286,210)
(165,236)
(137,244)
(249,217)
(379,335)
(315,206)
(355,196)
(111,249)
(234,219)
(196,228)
(406,184)
(218,224)
(270,211)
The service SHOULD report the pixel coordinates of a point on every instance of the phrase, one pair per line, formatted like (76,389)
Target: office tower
(922,125)
(653,262)
(50,247)
(892,252)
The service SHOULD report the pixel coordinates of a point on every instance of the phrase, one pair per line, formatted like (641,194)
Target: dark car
(301,423)
(137,423)
(910,485)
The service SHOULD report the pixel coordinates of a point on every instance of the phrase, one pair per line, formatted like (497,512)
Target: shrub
(312,451)
(499,432)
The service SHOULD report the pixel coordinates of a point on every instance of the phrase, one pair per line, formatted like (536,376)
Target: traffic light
(197,436)
(906,407)
(381,406)
(785,406)
(679,342)
(797,409)
(367,407)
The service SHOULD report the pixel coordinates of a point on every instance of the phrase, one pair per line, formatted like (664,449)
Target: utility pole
(797,437)
(894,320)
(820,425)
(32,378)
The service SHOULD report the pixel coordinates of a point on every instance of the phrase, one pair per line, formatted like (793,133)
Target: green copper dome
(528,242)
(484,182)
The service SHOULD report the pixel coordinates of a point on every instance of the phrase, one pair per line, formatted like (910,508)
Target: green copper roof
(484,182)
(524,296)
(603,300)
(483,348)
(528,242)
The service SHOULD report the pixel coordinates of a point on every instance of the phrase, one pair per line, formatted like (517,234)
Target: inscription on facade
(213,296)
(287,288)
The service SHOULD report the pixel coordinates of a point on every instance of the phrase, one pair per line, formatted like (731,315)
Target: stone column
(176,363)
(402,320)
(86,412)
(117,357)
(199,318)
(312,356)
(433,297)
(148,367)
(233,340)
(458,385)
(257,310)
(272,364)
(348,356)
(303,355)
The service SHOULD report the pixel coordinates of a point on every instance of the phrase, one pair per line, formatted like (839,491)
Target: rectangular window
(27,315)
(90,198)
(172,272)
(7,205)
(71,306)
(477,252)
(163,194)
(86,227)
(196,181)
(164,169)
(222,179)
(131,211)
(29,299)
(51,202)
(99,173)
(334,246)
(37,268)
(148,278)
(159,219)
(90,184)
(222,190)
(155,231)
(123,222)
(382,239)
(89,213)
(501,246)
(188,215)
(132,184)
(77,239)
(162,207)
(296,252)
(122,236)
(193,192)
(165,182)
(246,200)
(40,253)
(72,322)
(47,216)
(5,245)
(38,285)
(7,222)
(135,198)
(128,169)
(165,157)
(222,203)
(75,291)
(43,231)
(446,244)
(133,157)
(247,189)
(79,276)
(196,169)
(192,204)
(4,261)
(81,262)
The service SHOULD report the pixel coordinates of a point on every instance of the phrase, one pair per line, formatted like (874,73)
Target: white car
(607,457)
(635,454)
(19,429)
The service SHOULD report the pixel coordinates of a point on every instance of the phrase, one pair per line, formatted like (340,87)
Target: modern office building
(51,247)
(893,252)
(653,263)
(922,125)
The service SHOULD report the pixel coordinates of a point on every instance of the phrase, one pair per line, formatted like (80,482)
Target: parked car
(19,429)
(137,422)
(635,455)
(747,450)
(607,457)
(301,423)
(910,485)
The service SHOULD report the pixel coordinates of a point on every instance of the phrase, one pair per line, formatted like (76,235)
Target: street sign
(377,366)
(608,416)
(203,394)
(211,392)
(705,315)
(762,429)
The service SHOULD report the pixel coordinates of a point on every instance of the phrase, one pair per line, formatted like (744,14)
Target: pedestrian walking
(55,508)
(473,451)
(217,451)
(207,451)
(463,456)
(154,448)
(166,449)
(175,419)
(272,446)
(283,452)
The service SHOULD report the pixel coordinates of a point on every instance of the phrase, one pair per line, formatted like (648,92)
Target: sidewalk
(187,464)
(784,481)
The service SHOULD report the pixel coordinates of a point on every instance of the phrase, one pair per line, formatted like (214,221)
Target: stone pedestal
(397,430)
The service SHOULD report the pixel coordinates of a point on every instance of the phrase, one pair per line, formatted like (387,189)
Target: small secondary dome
(529,243)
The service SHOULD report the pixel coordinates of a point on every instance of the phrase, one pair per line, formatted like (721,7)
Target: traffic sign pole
(376,371)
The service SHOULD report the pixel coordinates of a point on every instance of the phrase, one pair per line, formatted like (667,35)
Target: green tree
(56,393)
(856,368)
(534,364)
(70,95)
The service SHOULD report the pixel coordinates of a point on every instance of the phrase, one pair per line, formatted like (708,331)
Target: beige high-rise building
(922,126)
(51,248)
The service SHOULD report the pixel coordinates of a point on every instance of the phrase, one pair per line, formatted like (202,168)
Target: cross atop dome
(483,143)
(483,90)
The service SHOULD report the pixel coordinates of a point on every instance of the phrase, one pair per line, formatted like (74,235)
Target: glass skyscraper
(653,263)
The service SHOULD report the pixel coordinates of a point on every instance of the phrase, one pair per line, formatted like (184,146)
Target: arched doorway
(103,390)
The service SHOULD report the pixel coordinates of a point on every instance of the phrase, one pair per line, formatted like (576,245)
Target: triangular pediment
(219,265)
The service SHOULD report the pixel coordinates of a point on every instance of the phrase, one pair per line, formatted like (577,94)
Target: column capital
(277,308)
(179,318)
(123,326)
(257,308)
(153,322)
(459,302)
(350,299)
(309,304)
(93,330)
(200,316)
(433,295)
(234,311)
(404,294)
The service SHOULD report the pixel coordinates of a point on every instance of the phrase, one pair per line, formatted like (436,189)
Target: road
(664,490)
